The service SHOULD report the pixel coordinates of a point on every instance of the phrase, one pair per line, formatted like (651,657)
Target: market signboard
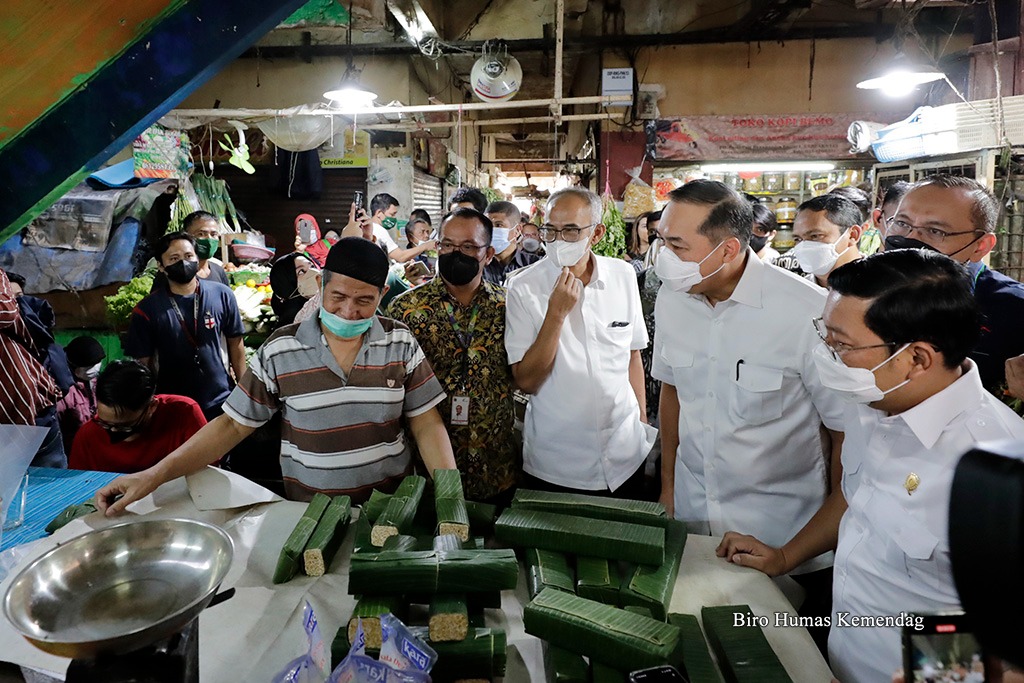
(348,150)
(754,137)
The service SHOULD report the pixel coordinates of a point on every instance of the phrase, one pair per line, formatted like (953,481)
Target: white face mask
(308,286)
(855,385)
(86,374)
(818,258)
(681,275)
(499,239)
(567,254)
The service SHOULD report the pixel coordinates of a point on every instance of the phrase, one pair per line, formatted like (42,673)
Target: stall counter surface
(255,633)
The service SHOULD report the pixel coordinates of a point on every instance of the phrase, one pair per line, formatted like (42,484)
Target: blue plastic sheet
(49,270)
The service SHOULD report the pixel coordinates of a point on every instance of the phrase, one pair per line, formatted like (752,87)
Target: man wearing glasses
(134,427)
(574,331)
(896,332)
(459,321)
(957,217)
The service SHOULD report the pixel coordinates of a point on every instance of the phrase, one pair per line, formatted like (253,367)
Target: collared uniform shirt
(341,433)
(582,427)
(893,550)
(485,450)
(750,457)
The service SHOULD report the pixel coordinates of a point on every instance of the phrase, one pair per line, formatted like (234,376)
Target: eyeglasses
(467,248)
(837,349)
(123,428)
(895,226)
(549,233)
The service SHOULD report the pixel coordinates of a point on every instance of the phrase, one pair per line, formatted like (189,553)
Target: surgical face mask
(389,222)
(757,242)
(206,247)
(680,275)
(307,284)
(568,254)
(86,374)
(855,385)
(818,258)
(182,272)
(531,245)
(340,327)
(499,239)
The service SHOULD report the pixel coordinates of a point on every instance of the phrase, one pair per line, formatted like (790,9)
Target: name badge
(460,410)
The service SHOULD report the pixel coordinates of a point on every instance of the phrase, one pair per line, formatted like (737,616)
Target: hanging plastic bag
(638,197)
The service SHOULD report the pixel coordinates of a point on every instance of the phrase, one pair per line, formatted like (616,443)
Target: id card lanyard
(460,402)
(191,335)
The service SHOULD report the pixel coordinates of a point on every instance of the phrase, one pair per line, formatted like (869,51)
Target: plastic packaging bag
(638,197)
(357,667)
(312,666)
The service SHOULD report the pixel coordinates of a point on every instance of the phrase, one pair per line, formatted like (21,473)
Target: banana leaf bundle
(652,587)
(400,511)
(399,572)
(605,634)
(450,504)
(548,568)
(742,651)
(581,536)
(700,668)
(582,505)
(598,579)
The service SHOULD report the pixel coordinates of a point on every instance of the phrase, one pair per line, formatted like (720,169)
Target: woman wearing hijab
(308,240)
(293,280)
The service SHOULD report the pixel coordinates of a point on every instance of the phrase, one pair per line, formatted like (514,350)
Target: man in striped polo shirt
(343,383)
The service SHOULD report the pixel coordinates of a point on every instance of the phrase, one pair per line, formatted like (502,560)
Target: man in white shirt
(573,332)
(742,408)
(383,212)
(896,332)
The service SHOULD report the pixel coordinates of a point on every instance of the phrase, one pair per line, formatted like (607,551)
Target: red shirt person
(134,428)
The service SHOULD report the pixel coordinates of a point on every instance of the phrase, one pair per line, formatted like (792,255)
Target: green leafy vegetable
(613,243)
(121,304)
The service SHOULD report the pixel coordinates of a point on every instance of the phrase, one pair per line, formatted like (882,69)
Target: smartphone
(358,200)
(657,674)
(417,269)
(940,644)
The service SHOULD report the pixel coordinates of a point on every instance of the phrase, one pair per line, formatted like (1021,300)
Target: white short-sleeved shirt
(750,457)
(893,551)
(384,238)
(582,427)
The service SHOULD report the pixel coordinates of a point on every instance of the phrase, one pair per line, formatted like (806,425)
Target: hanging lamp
(351,92)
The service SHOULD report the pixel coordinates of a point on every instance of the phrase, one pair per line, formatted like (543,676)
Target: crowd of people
(808,408)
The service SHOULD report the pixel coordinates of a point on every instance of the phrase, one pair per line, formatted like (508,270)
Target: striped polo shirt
(340,434)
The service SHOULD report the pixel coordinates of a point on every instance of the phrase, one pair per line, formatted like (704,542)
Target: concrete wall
(770,78)
(289,82)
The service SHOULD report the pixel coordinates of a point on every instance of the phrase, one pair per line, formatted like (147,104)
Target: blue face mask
(340,327)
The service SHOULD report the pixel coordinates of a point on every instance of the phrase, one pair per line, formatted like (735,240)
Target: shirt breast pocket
(912,547)
(757,394)
(681,362)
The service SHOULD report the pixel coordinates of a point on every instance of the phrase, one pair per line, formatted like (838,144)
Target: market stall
(255,633)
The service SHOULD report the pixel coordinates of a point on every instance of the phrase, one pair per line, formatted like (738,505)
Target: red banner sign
(771,136)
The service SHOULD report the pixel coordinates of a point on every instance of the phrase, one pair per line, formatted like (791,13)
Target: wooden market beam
(123,98)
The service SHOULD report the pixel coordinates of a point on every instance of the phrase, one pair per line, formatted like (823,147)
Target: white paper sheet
(18,445)
(216,489)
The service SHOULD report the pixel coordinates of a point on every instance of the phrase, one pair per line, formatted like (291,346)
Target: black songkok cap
(360,259)
(84,352)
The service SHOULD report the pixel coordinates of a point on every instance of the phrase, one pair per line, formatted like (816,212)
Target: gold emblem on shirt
(911,484)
